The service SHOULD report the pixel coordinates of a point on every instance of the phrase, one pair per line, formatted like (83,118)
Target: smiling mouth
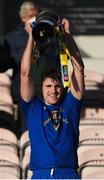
(53,96)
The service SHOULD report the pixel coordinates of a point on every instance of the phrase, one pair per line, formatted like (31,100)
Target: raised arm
(77,77)
(27,85)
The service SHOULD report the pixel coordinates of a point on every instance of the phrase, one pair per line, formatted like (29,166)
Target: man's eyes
(48,86)
(57,86)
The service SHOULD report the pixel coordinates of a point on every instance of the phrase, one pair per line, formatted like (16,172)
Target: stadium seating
(9,162)
(93,172)
(15,153)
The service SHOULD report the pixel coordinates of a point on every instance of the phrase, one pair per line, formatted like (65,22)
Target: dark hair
(51,73)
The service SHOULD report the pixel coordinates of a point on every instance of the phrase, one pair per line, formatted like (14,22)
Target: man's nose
(53,89)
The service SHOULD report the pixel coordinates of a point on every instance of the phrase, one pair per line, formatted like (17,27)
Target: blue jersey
(53,147)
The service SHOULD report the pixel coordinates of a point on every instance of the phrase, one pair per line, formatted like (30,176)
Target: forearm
(26,61)
(27,85)
(77,78)
(74,52)
(71,45)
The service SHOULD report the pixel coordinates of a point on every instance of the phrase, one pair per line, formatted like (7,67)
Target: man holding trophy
(53,119)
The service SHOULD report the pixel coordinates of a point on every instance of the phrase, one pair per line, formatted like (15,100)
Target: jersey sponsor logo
(56,119)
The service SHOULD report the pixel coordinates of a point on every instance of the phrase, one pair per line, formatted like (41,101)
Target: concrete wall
(92,51)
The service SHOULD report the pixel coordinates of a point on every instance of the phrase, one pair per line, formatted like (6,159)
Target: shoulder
(33,102)
(18,31)
(71,100)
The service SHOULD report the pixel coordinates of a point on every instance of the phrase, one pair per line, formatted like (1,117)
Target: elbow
(25,71)
(81,70)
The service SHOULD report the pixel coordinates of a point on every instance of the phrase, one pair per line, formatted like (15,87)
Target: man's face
(29,14)
(51,90)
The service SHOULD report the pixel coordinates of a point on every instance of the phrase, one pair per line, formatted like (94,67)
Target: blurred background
(87,19)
